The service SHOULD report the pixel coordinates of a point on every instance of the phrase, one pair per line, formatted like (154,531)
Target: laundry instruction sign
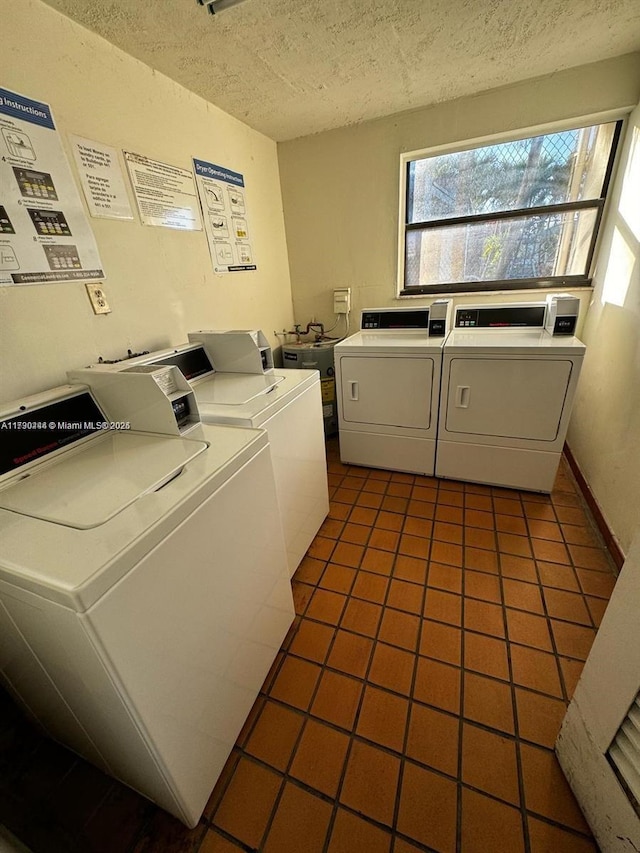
(223,202)
(45,236)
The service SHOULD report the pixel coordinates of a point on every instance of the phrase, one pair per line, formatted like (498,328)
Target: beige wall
(160,283)
(341,188)
(605,427)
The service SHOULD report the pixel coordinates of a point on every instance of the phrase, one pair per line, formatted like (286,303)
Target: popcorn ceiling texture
(289,68)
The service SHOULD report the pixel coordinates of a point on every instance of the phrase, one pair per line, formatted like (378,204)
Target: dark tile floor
(441,628)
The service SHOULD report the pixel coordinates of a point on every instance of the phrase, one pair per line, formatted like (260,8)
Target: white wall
(160,283)
(341,188)
(605,429)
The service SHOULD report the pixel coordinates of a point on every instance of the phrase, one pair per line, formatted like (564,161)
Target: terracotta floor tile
(399,490)
(377,486)
(447,578)
(350,653)
(383,718)
(363,617)
(482,502)
(539,717)
(331,528)
(319,757)
(474,537)
(580,536)
(442,642)
(377,561)
(385,540)
(117,821)
(402,846)
(418,527)
(542,511)
(400,629)
(310,570)
(337,578)
(337,699)
(558,577)
(370,782)
(302,593)
(481,560)
(221,785)
(363,515)
(274,735)
(488,825)
(572,641)
(600,584)
(528,630)
(215,843)
(489,763)
(597,608)
(443,606)
(572,515)
(535,669)
(445,552)
(451,514)
(438,684)
(296,682)
(351,482)
(355,534)
(544,530)
(378,474)
(326,606)
(568,606)
(164,832)
(392,668)
(483,586)
(522,596)
(370,587)
(590,558)
(370,500)
(450,486)
(488,702)
(321,548)
(338,511)
(507,506)
(410,569)
(547,792)
(389,521)
(351,833)
(424,493)
(392,504)
(299,815)
(414,546)
(405,596)
(346,496)
(446,532)
(550,552)
(347,554)
(511,524)
(253,784)
(428,808)
(449,498)
(486,655)
(518,568)
(433,739)
(476,518)
(483,617)
(421,509)
(546,838)
(517,545)
(402,477)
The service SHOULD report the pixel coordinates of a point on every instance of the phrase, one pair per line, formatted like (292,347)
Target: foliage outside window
(517,214)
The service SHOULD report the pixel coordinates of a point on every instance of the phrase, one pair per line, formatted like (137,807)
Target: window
(517,214)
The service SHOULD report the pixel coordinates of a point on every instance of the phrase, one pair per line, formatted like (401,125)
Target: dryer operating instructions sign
(45,236)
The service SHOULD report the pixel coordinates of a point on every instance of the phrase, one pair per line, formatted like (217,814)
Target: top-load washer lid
(90,484)
(513,341)
(234,389)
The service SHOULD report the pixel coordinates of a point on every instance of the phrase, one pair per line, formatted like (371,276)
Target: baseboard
(613,546)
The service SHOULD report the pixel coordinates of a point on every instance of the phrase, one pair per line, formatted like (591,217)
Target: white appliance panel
(516,398)
(387,390)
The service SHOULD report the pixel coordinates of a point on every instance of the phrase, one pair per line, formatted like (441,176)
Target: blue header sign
(25,109)
(209,170)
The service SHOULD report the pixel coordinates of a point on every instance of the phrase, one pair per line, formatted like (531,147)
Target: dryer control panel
(432,320)
(500,317)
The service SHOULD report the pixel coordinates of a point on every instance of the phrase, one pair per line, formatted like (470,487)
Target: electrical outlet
(98,299)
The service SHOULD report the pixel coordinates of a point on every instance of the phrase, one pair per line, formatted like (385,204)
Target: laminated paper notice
(165,194)
(101,179)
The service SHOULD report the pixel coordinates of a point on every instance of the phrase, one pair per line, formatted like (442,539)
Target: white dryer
(144,590)
(507,390)
(287,403)
(388,388)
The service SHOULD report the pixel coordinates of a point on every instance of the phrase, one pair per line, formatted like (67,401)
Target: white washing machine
(287,403)
(388,387)
(144,590)
(507,390)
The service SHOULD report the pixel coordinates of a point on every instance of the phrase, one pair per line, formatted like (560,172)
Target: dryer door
(387,390)
(507,397)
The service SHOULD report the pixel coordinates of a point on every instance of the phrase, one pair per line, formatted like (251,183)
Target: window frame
(509,285)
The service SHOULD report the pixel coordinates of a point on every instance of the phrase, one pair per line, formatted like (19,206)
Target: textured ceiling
(293,67)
